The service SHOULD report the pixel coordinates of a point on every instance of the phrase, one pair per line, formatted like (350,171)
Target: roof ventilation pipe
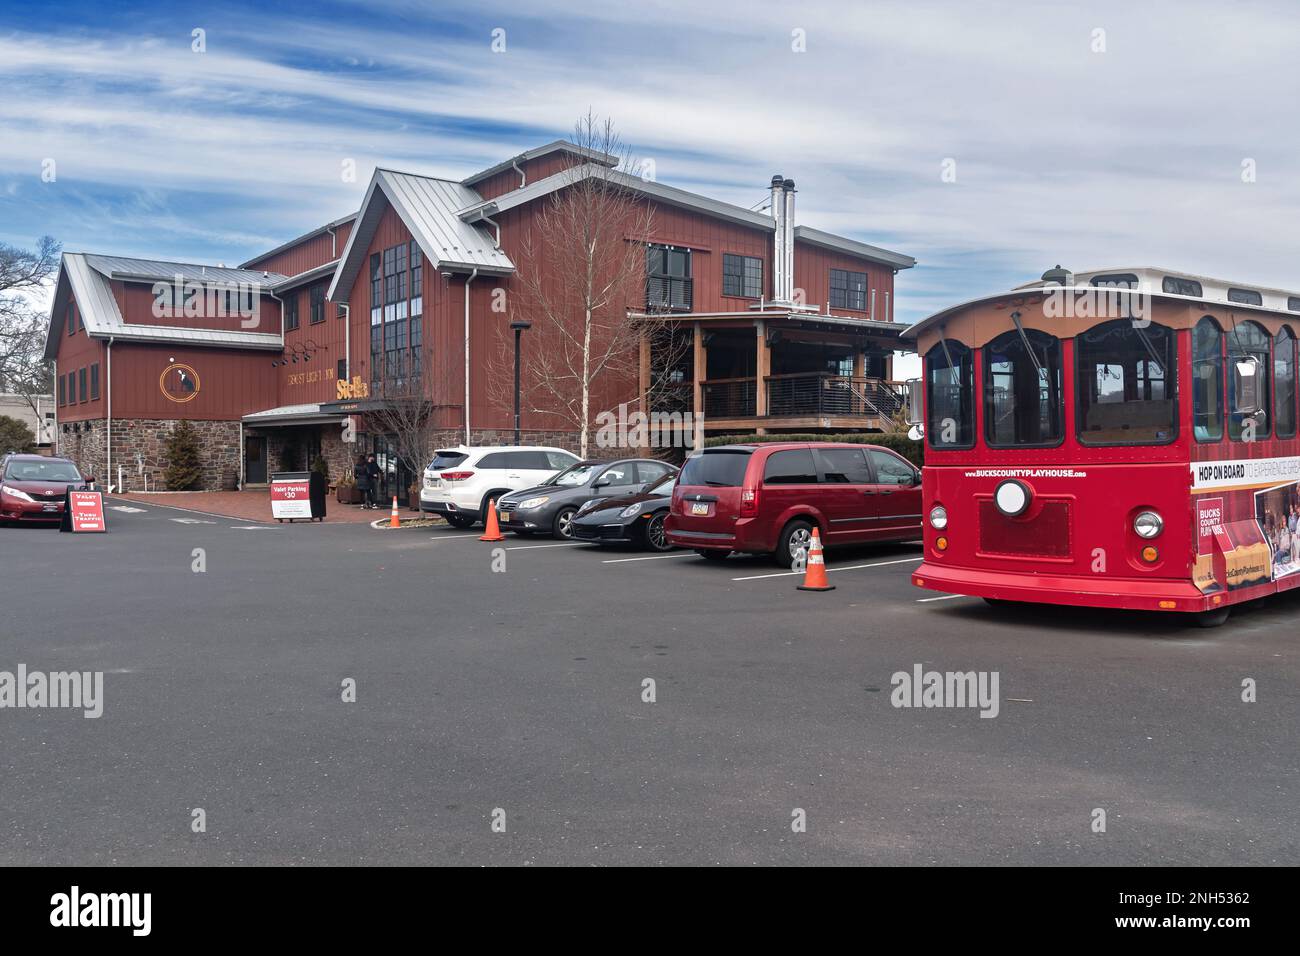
(778,239)
(788,224)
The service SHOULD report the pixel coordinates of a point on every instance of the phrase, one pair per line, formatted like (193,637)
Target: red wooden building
(277,361)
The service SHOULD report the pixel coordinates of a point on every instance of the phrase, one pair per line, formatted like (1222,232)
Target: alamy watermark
(190,299)
(78,690)
(648,430)
(922,688)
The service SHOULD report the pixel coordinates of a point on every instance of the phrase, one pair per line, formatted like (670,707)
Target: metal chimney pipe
(778,239)
(788,225)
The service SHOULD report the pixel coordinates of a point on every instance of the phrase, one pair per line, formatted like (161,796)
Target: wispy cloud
(1062,154)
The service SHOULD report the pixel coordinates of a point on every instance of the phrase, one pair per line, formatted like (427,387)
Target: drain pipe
(347,338)
(108,429)
(523,179)
(472,276)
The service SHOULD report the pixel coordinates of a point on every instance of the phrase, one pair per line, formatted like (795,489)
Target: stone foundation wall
(137,441)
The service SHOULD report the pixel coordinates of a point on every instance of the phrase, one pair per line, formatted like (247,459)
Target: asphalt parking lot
(521,690)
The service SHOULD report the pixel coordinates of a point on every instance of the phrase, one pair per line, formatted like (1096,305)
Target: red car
(766,499)
(33,488)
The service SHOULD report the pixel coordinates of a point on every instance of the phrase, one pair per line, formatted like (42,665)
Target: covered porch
(776,371)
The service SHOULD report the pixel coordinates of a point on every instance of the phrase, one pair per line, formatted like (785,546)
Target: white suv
(459,482)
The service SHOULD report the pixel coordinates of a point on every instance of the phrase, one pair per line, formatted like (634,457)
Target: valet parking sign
(86,511)
(291,499)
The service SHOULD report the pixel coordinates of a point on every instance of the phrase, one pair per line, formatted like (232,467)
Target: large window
(742,276)
(1127,384)
(1248,394)
(396,306)
(1207,381)
(1022,389)
(1284,359)
(950,396)
(668,278)
(1284,383)
(94,382)
(317,296)
(81,384)
(848,290)
(291,311)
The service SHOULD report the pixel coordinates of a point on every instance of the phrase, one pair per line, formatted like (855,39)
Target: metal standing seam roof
(556,146)
(428,208)
(90,284)
(688,200)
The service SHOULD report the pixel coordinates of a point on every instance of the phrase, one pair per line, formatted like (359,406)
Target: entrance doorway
(254,460)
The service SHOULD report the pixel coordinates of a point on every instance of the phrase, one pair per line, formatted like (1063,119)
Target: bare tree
(580,264)
(409,416)
(24,277)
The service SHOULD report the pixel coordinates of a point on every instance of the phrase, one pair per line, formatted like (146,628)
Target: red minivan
(766,499)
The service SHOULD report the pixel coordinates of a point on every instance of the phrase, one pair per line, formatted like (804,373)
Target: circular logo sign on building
(179,382)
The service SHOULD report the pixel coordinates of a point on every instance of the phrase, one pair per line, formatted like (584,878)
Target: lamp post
(519,325)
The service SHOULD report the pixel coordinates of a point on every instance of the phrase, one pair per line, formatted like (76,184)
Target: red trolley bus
(1123,438)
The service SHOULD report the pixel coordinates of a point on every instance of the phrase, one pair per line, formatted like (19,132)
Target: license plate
(49,507)
(699,507)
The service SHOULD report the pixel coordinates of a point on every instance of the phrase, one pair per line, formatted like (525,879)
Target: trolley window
(950,396)
(1022,390)
(1249,389)
(1207,381)
(1127,384)
(1284,383)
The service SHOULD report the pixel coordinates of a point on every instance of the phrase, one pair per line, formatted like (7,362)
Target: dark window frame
(83,392)
(965,358)
(1284,334)
(1171,384)
(290,309)
(316,304)
(1177,285)
(94,382)
(666,290)
(844,292)
(1036,337)
(742,276)
(1233,419)
(1246,296)
(1220,368)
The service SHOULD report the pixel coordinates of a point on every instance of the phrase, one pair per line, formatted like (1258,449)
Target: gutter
(473,275)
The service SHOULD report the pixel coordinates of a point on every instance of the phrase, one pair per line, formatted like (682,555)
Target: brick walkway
(255,505)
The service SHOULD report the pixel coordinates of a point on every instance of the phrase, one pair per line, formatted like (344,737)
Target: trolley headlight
(1148,524)
(1011,498)
(938,517)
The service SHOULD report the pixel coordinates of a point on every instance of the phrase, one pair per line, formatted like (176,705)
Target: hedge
(913,451)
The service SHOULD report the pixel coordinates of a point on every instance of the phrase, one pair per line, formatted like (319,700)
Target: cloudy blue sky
(1063,153)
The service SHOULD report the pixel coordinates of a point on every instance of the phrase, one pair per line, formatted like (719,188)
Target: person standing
(374,477)
(362,476)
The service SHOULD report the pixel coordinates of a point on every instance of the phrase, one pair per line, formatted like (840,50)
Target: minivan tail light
(748,501)
(457,475)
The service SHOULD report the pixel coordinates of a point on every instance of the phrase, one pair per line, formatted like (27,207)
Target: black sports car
(550,506)
(638,518)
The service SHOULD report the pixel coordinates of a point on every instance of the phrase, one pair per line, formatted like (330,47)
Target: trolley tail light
(457,475)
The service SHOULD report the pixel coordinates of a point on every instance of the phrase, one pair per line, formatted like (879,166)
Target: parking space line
(941,597)
(651,557)
(536,547)
(854,567)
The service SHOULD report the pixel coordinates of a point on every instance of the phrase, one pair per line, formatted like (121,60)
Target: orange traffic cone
(394,521)
(814,577)
(492,532)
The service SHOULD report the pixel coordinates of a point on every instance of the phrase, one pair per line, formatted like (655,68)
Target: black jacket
(362,475)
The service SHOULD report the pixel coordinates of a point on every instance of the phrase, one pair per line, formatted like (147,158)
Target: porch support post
(858,369)
(643,385)
(762,368)
(699,366)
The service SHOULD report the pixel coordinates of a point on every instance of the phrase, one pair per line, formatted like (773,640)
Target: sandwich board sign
(83,512)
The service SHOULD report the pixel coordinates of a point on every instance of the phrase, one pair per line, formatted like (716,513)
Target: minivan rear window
(794,467)
(721,468)
(446,459)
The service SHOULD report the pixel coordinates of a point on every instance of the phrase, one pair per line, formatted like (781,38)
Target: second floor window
(291,312)
(848,290)
(668,278)
(317,296)
(94,382)
(742,276)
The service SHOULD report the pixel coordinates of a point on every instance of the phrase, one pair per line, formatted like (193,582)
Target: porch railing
(820,393)
(730,397)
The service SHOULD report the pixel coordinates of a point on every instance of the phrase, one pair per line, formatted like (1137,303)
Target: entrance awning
(293,415)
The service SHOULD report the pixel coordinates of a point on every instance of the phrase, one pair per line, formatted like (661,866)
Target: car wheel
(712,555)
(562,527)
(654,535)
(797,534)
(459,521)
